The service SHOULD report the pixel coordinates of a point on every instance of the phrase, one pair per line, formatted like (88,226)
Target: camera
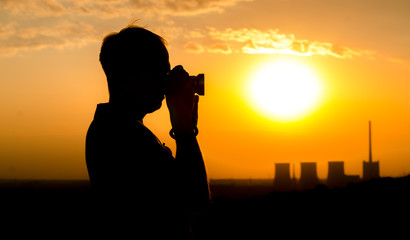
(199,83)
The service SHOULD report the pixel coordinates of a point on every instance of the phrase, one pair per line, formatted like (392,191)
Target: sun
(285,90)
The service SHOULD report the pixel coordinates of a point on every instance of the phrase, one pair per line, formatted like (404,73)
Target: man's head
(136,64)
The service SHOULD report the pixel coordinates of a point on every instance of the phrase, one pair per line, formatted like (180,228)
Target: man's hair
(133,49)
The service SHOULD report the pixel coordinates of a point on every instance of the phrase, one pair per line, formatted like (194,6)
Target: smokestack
(370,169)
(370,141)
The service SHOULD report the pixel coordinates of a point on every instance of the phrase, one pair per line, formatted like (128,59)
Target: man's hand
(183,108)
(182,101)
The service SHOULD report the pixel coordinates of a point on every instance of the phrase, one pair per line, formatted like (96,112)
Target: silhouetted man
(142,189)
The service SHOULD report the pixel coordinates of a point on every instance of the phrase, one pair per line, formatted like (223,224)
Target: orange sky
(51,81)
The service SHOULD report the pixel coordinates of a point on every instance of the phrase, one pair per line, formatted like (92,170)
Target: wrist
(178,133)
(182,125)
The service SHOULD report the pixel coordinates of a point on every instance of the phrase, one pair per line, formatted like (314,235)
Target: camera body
(198,82)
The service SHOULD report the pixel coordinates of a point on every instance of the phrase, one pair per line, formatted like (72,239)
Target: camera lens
(200,84)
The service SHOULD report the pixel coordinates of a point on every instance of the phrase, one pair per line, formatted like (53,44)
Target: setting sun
(284,90)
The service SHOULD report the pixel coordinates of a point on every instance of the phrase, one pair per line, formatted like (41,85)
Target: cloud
(106,8)
(30,9)
(113,8)
(66,34)
(194,34)
(193,7)
(7,30)
(402,61)
(220,48)
(47,8)
(193,47)
(157,8)
(254,41)
(33,25)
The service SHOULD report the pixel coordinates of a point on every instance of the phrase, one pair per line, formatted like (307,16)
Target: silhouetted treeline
(239,210)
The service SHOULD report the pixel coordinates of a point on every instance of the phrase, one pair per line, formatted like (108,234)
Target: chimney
(370,141)
(370,169)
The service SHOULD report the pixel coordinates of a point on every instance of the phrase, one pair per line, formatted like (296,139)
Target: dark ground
(240,210)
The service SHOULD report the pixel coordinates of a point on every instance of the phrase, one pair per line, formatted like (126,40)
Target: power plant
(336,176)
(370,168)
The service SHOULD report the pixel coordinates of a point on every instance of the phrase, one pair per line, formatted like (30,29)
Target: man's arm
(183,108)
(189,155)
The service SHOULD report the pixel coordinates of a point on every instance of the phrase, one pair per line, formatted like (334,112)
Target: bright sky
(357,51)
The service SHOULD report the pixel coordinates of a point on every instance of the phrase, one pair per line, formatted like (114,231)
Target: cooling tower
(308,176)
(282,180)
(336,174)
